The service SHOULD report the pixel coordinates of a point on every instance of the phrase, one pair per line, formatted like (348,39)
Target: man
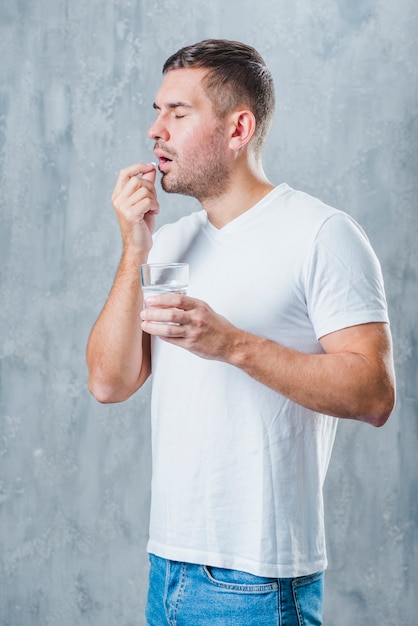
(284,330)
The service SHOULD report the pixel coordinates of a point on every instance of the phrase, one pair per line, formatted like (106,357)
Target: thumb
(151,173)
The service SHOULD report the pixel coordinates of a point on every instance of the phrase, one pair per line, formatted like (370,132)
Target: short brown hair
(237,75)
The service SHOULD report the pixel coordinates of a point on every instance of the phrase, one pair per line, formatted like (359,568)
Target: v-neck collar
(238,222)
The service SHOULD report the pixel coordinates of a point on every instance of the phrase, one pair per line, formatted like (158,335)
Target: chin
(175,186)
(167,186)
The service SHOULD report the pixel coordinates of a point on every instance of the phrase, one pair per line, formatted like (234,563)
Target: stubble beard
(203,178)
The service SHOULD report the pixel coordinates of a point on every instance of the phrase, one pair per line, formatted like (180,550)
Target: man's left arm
(353,378)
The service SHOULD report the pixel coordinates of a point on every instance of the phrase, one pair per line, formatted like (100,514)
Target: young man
(284,330)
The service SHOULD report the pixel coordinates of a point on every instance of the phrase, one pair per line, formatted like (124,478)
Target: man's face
(190,140)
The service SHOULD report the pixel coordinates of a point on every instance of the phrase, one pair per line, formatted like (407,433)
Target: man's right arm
(118,352)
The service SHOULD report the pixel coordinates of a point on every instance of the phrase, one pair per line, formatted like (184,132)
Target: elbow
(107,394)
(382,398)
(109,390)
(377,420)
(383,409)
(103,394)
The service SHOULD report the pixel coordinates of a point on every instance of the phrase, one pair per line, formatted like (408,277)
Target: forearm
(344,384)
(352,378)
(118,355)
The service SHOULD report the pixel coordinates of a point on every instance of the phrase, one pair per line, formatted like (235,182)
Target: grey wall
(76,86)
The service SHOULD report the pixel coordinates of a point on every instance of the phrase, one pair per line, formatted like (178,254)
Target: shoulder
(302,218)
(298,208)
(310,208)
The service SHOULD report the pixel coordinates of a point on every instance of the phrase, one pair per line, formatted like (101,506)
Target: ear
(242,128)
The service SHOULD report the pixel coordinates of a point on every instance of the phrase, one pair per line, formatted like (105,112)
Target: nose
(158,130)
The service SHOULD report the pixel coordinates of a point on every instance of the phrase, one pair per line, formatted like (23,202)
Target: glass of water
(160,278)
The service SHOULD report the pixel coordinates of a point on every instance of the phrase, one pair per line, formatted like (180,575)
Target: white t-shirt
(238,469)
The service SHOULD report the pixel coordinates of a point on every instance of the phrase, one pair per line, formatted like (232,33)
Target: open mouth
(163,157)
(164,163)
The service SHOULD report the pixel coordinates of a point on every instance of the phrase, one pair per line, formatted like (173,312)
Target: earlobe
(243,129)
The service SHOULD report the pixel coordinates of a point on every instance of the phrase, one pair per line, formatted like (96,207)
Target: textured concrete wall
(76,86)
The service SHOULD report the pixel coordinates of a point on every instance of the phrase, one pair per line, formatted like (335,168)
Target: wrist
(133,255)
(242,347)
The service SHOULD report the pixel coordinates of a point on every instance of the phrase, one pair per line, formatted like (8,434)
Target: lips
(164,157)
(164,160)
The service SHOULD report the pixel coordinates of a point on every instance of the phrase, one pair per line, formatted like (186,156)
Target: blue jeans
(183,594)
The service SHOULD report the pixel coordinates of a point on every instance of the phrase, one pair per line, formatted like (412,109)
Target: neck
(247,186)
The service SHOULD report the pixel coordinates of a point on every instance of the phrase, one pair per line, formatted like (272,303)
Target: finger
(172,300)
(164,315)
(132,186)
(134,191)
(165,331)
(151,174)
(138,197)
(137,169)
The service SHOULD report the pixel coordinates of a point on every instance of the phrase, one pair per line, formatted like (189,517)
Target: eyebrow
(173,105)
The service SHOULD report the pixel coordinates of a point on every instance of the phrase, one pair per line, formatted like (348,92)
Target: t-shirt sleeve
(344,284)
